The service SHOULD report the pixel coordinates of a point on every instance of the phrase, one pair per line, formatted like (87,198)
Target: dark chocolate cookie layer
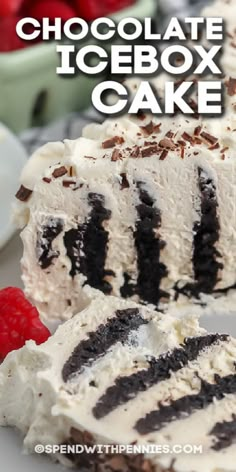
(129,288)
(206,265)
(185,406)
(117,329)
(73,240)
(86,245)
(225,433)
(160,369)
(46,236)
(205,255)
(149,245)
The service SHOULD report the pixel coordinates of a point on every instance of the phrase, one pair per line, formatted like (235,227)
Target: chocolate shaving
(148,129)
(231,86)
(197,131)
(224,149)
(68,183)
(187,137)
(157,128)
(90,157)
(71,171)
(149,143)
(78,187)
(124,182)
(167,143)
(151,128)
(208,137)
(23,194)
(135,152)
(170,134)
(197,140)
(47,180)
(116,155)
(182,143)
(163,154)
(214,146)
(59,172)
(111,142)
(148,152)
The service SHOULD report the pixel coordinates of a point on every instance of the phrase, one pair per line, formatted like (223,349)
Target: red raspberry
(9,39)
(51,9)
(19,321)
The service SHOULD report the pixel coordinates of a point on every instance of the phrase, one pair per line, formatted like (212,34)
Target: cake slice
(136,208)
(121,374)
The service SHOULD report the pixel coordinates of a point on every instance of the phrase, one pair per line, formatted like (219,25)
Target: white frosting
(49,154)
(35,399)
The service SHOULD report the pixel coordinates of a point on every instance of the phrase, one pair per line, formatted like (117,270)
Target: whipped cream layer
(129,375)
(135,208)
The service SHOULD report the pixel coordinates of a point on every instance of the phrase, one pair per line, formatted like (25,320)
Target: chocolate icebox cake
(136,208)
(120,373)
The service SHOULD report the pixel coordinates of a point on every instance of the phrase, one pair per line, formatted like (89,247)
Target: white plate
(12,159)
(13,460)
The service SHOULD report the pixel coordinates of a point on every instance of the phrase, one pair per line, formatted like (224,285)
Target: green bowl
(31,93)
